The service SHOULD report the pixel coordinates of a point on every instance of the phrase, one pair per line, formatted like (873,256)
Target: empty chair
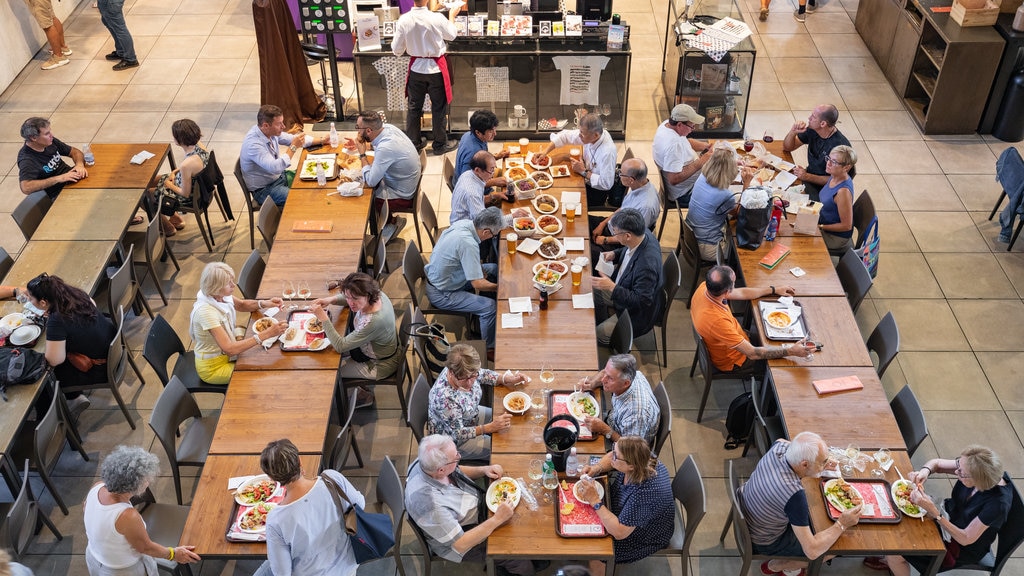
(391,494)
(117,365)
(1010,535)
(884,341)
(688,490)
(341,439)
(174,407)
(419,402)
(123,288)
(673,279)
(428,217)
(152,248)
(448,173)
(24,519)
(909,418)
(711,373)
(251,274)
(162,343)
(5,263)
(415,201)
(691,253)
(767,428)
(164,523)
(402,371)
(621,340)
(854,277)
(270,217)
(667,202)
(863,213)
(30,212)
(250,203)
(664,416)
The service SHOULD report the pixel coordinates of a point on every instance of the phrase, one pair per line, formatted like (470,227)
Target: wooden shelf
(926,81)
(917,106)
(934,53)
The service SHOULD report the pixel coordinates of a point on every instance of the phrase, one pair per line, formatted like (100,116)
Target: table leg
(10,474)
(936,563)
(814,568)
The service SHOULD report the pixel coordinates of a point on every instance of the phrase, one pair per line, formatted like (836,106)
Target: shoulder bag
(868,252)
(372,535)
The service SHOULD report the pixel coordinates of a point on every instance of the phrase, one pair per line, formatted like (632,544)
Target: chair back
(30,212)
(250,203)
(885,342)
(664,416)
(162,342)
(762,438)
(622,335)
(423,159)
(707,369)
(863,212)
(391,493)
(251,274)
(50,436)
(120,292)
(740,531)
(208,180)
(380,217)
(174,406)
(23,518)
(419,401)
(626,155)
(337,452)
(1011,535)
(415,275)
(428,554)
(269,218)
(5,263)
(380,258)
(154,241)
(690,247)
(854,277)
(688,489)
(428,217)
(448,173)
(117,354)
(909,418)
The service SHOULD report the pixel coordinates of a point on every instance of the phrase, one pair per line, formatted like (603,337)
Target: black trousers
(419,86)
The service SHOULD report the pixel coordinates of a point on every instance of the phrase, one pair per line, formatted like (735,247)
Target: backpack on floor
(19,366)
(739,420)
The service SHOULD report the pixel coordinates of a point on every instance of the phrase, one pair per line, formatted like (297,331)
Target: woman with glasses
(712,203)
(640,515)
(455,409)
(836,217)
(972,515)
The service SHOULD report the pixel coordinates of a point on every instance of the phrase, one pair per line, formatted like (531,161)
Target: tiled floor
(955,292)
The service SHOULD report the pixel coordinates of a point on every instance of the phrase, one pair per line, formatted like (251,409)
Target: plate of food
(503,489)
(555,266)
(538,162)
(327,161)
(841,494)
(560,171)
(263,324)
(901,490)
(551,248)
(516,173)
(576,493)
(313,326)
(543,180)
(549,224)
(517,402)
(525,185)
(318,344)
(545,204)
(546,277)
(293,337)
(514,162)
(581,405)
(254,520)
(257,489)
(780,319)
(525,227)
(12,321)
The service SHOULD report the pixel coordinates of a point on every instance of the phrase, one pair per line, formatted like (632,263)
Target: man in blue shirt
(263,164)
(483,128)
(395,172)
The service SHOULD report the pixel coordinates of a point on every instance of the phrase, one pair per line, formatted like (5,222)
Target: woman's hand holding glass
(317,309)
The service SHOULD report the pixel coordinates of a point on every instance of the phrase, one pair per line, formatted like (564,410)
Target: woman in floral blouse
(455,408)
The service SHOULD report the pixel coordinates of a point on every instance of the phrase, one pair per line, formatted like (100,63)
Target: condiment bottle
(543,299)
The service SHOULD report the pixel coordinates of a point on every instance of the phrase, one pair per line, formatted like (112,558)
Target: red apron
(442,63)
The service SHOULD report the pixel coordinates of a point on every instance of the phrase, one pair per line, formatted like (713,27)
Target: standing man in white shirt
(679,158)
(599,156)
(423,35)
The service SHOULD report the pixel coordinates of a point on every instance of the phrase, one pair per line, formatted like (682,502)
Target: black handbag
(751,224)
(372,535)
(169,205)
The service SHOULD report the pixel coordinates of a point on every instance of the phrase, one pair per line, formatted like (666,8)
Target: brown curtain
(284,77)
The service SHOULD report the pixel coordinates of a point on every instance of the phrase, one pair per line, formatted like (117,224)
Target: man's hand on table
(597,426)
(494,471)
(500,154)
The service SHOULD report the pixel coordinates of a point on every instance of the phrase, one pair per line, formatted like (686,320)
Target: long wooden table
(311,261)
(829,319)
(113,168)
(348,214)
(560,335)
(807,252)
(80,263)
(90,214)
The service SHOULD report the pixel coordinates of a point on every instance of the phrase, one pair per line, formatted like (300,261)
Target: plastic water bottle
(321,176)
(334,137)
(88,155)
(572,464)
(773,229)
(550,478)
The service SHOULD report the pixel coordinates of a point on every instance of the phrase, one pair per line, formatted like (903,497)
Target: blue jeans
(467,301)
(276,190)
(112,16)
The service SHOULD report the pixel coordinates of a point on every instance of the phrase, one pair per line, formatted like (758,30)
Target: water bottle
(572,464)
(773,229)
(543,299)
(334,137)
(88,156)
(550,479)
(321,176)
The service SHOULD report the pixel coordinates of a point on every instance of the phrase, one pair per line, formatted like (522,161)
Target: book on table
(775,255)
(840,384)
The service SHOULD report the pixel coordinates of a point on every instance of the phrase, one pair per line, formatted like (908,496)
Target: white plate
(269,506)
(300,337)
(514,493)
(560,171)
(896,500)
(307,328)
(517,394)
(525,186)
(529,160)
(25,334)
(835,501)
(559,267)
(13,320)
(549,217)
(540,177)
(512,171)
(552,199)
(524,233)
(251,481)
(600,491)
(575,410)
(559,255)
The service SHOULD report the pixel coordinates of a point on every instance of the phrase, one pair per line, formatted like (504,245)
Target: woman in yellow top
(212,323)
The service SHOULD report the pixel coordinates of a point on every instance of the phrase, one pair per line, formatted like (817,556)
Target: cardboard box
(967,17)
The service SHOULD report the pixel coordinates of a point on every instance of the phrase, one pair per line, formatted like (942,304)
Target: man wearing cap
(679,158)
(821,135)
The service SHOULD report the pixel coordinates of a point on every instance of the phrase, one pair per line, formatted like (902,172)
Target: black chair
(341,439)
(909,418)
(667,202)
(164,523)
(688,490)
(153,247)
(691,254)
(24,519)
(673,279)
(664,417)
(251,274)
(416,281)
(30,212)
(863,212)
(5,263)
(208,186)
(854,277)
(175,406)
(1010,535)
(162,343)
(269,219)
(428,217)
(428,554)
(250,203)
(391,495)
(1008,169)
(710,373)
(374,255)
(885,342)
(621,340)
(419,401)
(766,428)
(448,173)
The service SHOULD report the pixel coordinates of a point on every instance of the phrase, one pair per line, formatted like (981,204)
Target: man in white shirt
(470,196)
(679,158)
(423,34)
(599,157)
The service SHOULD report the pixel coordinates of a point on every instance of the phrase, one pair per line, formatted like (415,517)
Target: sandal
(876,563)
(177,221)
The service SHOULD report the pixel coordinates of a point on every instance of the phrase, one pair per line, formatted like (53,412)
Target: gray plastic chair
(429,217)
(154,247)
(24,519)
(118,360)
(669,270)
(854,277)
(402,373)
(664,416)
(174,407)
(419,401)
(162,343)
(448,173)
(250,203)
(667,202)
(251,274)
(5,263)
(392,495)
(863,212)
(621,341)
(710,373)
(909,418)
(766,429)
(269,219)
(30,212)
(416,280)
(341,439)
(688,490)
(164,523)
(691,254)
(885,342)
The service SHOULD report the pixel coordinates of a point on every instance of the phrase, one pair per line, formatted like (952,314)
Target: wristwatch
(608,434)
(597,506)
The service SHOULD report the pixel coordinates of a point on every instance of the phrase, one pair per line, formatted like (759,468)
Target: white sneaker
(55,61)
(799,17)
(66,50)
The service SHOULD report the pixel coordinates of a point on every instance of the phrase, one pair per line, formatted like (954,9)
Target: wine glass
(606,109)
(748,144)
(883,458)
(769,136)
(811,346)
(536,472)
(287,290)
(696,78)
(850,462)
(547,375)
(537,433)
(688,76)
(303,291)
(537,403)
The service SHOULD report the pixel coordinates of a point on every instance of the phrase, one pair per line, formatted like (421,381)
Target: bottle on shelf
(550,478)
(88,156)
(572,463)
(334,136)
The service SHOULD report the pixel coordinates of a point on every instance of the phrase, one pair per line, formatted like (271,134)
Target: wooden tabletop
(311,261)
(80,263)
(560,155)
(832,324)
(807,252)
(274,358)
(261,406)
(350,159)
(348,215)
(559,334)
(910,536)
(210,513)
(113,168)
(859,417)
(101,214)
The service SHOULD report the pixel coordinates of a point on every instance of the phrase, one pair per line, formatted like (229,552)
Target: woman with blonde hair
(711,202)
(836,217)
(212,323)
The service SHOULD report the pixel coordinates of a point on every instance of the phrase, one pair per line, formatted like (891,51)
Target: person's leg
(595,197)
(55,37)
(801,11)
(461,301)
(438,112)
(417,88)
(764,10)
(276,191)
(708,251)
(605,330)
(356,370)
(112,15)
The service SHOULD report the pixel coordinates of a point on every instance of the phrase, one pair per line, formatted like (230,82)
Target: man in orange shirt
(727,342)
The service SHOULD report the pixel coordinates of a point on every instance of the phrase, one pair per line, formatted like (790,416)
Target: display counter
(551,78)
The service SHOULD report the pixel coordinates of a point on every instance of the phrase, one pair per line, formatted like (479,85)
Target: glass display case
(718,89)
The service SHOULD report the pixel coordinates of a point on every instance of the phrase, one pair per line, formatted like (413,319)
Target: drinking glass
(882,458)
(748,144)
(811,346)
(537,403)
(696,78)
(537,433)
(850,461)
(570,212)
(536,472)
(303,291)
(511,240)
(287,290)
(547,374)
(688,76)
(577,274)
(769,136)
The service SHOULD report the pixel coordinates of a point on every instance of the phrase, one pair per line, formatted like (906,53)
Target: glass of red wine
(748,144)
(769,136)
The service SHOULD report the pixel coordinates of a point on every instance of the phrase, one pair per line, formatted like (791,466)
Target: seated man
(775,505)
(263,164)
(444,503)
(640,195)
(821,135)
(678,157)
(634,411)
(636,281)
(395,172)
(728,344)
(483,128)
(41,165)
(470,197)
(455,270)
(597,166)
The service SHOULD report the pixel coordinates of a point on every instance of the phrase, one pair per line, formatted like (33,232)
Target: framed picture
(544,28)
(388,29)
(713,77)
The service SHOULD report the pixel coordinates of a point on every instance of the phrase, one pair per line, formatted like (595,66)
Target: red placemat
(877,494)
(298,320)
(558,405)
(583,521)
(235,534)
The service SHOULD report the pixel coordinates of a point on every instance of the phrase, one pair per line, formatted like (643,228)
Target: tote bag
(868,253)
(371,534)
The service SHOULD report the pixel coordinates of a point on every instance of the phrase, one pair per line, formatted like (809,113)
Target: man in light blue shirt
(470,195)
(641,196)
(395,172)
(263,164)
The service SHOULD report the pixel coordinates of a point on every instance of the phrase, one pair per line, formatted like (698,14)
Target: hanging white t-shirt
(581,78)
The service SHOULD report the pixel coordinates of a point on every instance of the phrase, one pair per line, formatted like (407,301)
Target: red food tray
(557,405)
(877,493)
(583,522)
(297,319)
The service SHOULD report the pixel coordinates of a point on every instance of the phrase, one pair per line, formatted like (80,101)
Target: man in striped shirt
(635,410)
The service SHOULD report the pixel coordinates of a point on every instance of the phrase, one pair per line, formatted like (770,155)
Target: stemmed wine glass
(748,144)
(769,136)
(688,76)
(547,374)
(287,290)
(811,346)
(303,291)
(536,472)
(537,403)
(696,78)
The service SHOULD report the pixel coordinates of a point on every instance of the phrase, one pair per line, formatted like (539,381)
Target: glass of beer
(570,212)
(577,274)
(510,240)
(574,153)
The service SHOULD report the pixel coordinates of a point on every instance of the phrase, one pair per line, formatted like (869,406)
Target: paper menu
(368,28)
(784,180)
(840,384)
(509,321)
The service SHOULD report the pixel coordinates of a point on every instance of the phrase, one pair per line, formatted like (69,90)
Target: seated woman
(78,336)
(178,183)
(455,408)
(836,217)
(118,544)
(712,203)
(305,533)
(212,323)
(372,345)
(641,516)
(974,513)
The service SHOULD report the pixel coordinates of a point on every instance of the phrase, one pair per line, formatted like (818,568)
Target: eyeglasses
(831,160)
(456,461)
(960,473)
(468,377)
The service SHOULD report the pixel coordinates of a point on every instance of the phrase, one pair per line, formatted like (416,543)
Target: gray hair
(628,220)
(635,168)
(592,123)
(804,446)
(33,126)
(127,469)
(490,219)
(432,454)
(624,363)
(215,276)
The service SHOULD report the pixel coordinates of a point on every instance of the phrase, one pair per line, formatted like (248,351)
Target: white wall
(21,37)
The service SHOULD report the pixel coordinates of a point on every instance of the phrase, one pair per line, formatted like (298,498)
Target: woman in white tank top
(118,542)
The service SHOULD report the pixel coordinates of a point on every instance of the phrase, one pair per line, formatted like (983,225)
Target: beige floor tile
(144,98)
(886,125)
(100,72)
(915,193)
(234,24)
(189,24)
(143,45)
(228,47)
(906,275)
(875,184)
(68,75)
(832,45)
(809,94)
(903,157)
(1013,265)
(800,69)
(154,7)
(831,22)
(9,159)
(75,127)
(208,71)
(991,325)
(245,98)
(36,98)
(201,97)
(764,71)
(945,232)
(952,431)
(948,381)
(854,70)
(177,47)
(1004,371)
(970,276)
(963,157)
(898,237)
(771,96)
(788,46)
(201,6)
(148,24)
(978,193)
(989,230)
(865,162)
(925,325)
(92,97)
(876,96)
(163,72)
(85,47)
(128,126)
(758,121)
